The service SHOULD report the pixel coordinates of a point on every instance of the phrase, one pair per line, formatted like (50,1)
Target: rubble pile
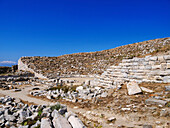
(14,113)
(81,92)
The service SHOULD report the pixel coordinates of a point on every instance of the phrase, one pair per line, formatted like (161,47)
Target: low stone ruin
(81,92)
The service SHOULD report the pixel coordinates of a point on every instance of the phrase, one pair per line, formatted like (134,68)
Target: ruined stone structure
(24,67)
(149,69)
(78,64)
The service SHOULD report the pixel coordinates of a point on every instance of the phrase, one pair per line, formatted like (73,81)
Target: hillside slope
(94,62)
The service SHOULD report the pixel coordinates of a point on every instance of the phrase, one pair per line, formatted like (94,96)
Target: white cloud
(7,62)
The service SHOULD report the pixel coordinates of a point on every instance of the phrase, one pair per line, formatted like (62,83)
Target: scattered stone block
(147,126)
(75,122)
(46,123)
(111,119)
(133,88)
(60,121)
(167,88)
(155,101)
(17,90)
(146,90)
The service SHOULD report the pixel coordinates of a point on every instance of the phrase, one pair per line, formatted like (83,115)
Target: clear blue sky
(56,27)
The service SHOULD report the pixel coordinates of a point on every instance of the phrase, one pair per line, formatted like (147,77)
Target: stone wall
(24,67)
(149,69)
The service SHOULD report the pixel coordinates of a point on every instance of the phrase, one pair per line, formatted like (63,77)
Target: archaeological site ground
(123,87)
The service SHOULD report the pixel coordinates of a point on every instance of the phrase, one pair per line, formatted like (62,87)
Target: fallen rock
(167,88)
(147,126)
(155,101)
(146,89)
(46,123)
(75,122)
(133,88)
(17,90)
(111,119)
(60,121)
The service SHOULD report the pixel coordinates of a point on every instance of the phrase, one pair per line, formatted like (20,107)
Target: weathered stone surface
(60,121)
(146,89)
(133,88)
(147,126)
(46,123)
(111,119)
(75,122)
(167,88)
(155,101)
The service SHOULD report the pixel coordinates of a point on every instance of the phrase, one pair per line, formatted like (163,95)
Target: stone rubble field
(15,113)
(128,105)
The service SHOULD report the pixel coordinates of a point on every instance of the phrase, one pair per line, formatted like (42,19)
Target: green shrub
(55,107)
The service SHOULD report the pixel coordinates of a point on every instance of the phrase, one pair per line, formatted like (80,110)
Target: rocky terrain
(94,62)
(124,87)
(14,113)
(129,105)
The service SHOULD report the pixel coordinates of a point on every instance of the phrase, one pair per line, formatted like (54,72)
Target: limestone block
(166,79)
(155,101)
(125,60)
(163,66)
(161,59)
(146,80)
(125,75)
(124,70)
(145,63)
(135,63)
(137,77)
(164,73)
(168,66)
(167,57)
(151,62)
(60,122)
(109,69)
(148,67)
(135,59)
(146,89)
(133,88)
(154,58)
(159,78)
(142,67)
(147,58)
(46,123)
(75,122)
(154,67)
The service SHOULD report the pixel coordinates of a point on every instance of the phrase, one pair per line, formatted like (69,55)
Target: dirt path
(23,95)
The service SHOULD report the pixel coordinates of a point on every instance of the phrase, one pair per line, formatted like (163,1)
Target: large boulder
(133,88)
